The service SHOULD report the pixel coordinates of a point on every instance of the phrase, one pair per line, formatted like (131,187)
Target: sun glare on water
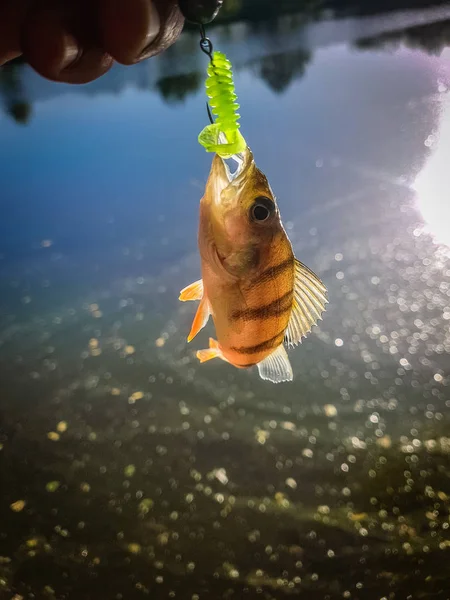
(432,185)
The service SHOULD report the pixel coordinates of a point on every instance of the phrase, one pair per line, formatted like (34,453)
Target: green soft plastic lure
(223,136)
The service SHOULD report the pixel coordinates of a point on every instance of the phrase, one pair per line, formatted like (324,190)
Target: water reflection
(128,470)
(431,38)
(299,32)
(11,91)
(280,70)
(178,88)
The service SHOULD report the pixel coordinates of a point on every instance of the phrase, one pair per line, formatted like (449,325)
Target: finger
(12,13)
(59,43)
(172,22)
(136,29)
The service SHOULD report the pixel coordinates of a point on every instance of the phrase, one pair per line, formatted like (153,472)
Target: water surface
(127,469)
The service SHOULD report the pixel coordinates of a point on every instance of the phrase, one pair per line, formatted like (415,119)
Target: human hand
(76,41)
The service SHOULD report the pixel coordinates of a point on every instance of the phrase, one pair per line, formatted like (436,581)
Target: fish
(260,296)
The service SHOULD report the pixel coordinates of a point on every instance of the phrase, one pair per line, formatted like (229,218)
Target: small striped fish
(259,295)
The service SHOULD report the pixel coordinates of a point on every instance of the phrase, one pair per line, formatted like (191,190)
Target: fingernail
(153,30)
(71,54)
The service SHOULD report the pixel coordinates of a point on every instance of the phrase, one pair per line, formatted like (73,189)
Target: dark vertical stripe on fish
(273,309)
(272,272)
(266,345)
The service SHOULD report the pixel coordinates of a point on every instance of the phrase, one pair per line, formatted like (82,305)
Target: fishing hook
(207,48)
(205,43)
(210,117)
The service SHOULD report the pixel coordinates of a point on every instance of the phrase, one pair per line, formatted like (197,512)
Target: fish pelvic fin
(213,351)
(276,367)
(310,298)
(192,292)
(200,319)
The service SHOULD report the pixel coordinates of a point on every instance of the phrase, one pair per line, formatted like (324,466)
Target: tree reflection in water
(277,69)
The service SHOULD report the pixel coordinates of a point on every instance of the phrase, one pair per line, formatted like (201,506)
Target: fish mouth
(242,161)
(234,169)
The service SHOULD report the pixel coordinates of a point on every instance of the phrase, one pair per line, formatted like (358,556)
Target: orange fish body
(251,314)
(256,291)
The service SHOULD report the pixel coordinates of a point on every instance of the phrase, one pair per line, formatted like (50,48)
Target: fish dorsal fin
(310,298)
(192,292)
(276,367)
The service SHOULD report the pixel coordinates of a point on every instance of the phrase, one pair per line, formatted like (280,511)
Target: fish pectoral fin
(213,351)
(276,367)
(310,298)
(200,319)
(192,292)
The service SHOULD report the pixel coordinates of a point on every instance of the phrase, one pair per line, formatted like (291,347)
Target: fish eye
(262,209)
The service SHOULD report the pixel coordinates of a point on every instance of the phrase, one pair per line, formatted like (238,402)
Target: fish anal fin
(276,367)
(192,292)
(212,352)
(200,319)
(214,344)
(310,298)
